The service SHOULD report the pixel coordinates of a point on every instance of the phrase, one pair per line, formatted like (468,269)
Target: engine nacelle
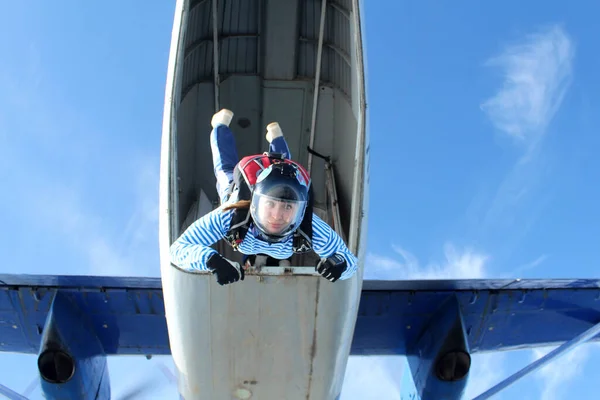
(439,360)
(72,363)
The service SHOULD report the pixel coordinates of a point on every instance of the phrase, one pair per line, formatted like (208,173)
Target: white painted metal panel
(268,337)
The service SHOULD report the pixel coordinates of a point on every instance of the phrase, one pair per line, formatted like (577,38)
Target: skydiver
(265,211)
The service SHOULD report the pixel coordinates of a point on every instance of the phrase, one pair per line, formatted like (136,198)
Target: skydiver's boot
(273,131)
(222,117)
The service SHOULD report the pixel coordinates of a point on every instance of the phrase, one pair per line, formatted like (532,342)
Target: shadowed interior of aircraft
(270,58)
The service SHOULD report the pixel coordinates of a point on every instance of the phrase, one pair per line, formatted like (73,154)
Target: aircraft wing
(127,313)
(497,314)
(129,318)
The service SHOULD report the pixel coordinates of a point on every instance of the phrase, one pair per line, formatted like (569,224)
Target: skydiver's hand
(227,271)
(332,268)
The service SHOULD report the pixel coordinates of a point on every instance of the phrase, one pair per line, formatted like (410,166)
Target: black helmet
(279,200)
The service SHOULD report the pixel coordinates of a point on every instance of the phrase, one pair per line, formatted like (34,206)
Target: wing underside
(128,313)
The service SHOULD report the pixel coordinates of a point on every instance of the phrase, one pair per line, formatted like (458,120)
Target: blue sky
(485,110)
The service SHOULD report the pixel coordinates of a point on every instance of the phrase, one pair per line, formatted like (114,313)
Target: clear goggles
(275,216)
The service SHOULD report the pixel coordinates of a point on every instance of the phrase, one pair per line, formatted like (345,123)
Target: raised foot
(273,131)
(222,117)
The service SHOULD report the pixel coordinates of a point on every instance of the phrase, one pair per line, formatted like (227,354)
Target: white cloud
(558,373)
(537,72)
(154,376)
(369,377)
(486,371)
(457,264)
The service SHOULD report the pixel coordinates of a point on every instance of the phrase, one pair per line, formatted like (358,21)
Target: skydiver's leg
(224,152)
(277,143)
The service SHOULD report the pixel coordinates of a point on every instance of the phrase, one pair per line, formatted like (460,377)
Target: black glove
(332,268)
(227,271)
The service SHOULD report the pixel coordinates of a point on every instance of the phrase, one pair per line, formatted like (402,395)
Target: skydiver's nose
(277,213)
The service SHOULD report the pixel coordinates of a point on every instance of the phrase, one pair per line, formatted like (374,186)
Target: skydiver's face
(276,215)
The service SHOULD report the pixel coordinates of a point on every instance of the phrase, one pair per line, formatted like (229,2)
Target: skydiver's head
(279,201)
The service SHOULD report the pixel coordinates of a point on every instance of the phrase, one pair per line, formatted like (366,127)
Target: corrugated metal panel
(336,70)
(238,40)
(309,32)
(337,37)
(335,67)
(238,32)
(345,4)
(197,65)
(238,17)
(199,23)
(338,29)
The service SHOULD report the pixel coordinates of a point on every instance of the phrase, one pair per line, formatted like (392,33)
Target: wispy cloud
(457,264)
(486,371)
(527,266)
(555,376)
(537,72)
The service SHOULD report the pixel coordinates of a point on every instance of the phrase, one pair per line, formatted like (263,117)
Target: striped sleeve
(326,242)
(191,250)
